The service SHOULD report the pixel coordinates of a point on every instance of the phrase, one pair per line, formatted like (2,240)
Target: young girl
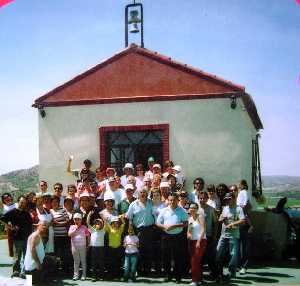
(131,244)
(79,241)
(115,251)
(197,241)
(97,246)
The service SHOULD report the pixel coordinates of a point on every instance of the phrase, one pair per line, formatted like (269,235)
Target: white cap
(114,219)
(77,215)
(147,179)
(111,179)
(177,168)
(129,187)
(84,194)
(156,166)
(128,166)
(164,185)
(108,196)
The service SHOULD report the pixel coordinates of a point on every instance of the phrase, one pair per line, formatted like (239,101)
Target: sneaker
(167,279)
(15,274)
(83,278)
(243,271)
(194,284)
(178,281)
(75,277)
(22,276)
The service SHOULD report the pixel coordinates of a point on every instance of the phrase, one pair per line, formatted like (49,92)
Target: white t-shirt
(131,242)
(242,198)
(118,195)
(195,226)
(97,237)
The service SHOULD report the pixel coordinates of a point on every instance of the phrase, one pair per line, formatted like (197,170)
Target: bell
(134,28)
(134,17)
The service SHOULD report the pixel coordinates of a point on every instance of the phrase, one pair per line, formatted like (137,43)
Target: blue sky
(253,43)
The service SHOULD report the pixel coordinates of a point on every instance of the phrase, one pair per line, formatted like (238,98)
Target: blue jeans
(130,265)
(233,244)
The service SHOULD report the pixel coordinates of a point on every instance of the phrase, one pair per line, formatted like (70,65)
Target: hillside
(19,181)
(279,186)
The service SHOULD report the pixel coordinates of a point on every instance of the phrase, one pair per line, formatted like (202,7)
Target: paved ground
(283,273)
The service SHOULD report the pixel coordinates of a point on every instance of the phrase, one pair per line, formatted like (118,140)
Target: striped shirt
(60,216)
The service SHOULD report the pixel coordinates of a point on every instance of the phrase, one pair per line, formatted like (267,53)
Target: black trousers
(97,260)
(115,261)
(173,250)
(210,256)
(145,235)
(62,249)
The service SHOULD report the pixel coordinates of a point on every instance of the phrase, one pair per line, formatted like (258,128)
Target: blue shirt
(139,214)
(168,216)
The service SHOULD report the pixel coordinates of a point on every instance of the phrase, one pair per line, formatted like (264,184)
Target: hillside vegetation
(19,181)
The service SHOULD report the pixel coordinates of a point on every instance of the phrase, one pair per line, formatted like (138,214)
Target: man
(85,174)
(124,204)
(231,217)
(19,222)
(149,173)
(35,261)
(114,191)
(198,187)
(172,220)
(128,171)
(211,223)
(164,191)
(57,191)
(140,215)
(43,187)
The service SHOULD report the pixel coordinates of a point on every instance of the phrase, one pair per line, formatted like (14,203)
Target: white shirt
(97,237)
(195,226)
(118,196)
(131,242)
(242,198)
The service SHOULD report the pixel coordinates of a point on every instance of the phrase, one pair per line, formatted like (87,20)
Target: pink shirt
(78,238)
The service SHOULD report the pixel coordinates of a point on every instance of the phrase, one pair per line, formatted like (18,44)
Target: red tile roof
(137,74)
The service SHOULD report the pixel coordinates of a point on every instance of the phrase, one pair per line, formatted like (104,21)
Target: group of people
(141,223)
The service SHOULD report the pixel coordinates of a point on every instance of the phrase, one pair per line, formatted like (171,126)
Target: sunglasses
(57,189)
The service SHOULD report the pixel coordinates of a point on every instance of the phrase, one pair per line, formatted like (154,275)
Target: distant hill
(19,181)
(288,186)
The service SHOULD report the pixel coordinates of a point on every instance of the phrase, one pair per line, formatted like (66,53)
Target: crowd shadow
(272,274)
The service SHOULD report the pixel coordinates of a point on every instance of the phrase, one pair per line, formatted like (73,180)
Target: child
(115,251)
(79,240)
(131,244)
(97,246)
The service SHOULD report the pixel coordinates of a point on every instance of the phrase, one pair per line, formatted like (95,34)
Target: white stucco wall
(207,137)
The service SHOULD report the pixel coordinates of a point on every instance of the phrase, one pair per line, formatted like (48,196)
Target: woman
(44,214)
(60,227)
(197,242)
(139,179)
(222,190)
(213,199)
(109,210)
(157,203)
(156,181)
(168,165)
(71,191)
(157,206)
